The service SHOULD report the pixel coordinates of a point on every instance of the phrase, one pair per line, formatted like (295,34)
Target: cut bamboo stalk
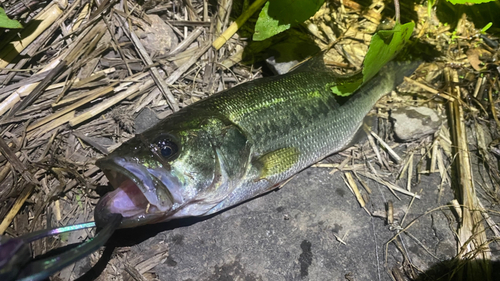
(187,41)
(392,187)
(9,102)
(435,146)
(479,83)
(375,149)
(458,210)
(341,166)
(30,33)
(72,98)
(38,90)
(33,79)
(16,207)
(349,181)
(336,166)
(341,240)
(82,16)
(231,30)
(48,145)
(471,232)
(429,89)
(403,170)
(108,103)
(363,183)
(443,173)
(57,210)
(77,82)
(89,79)
(52,125)
(24,91)
(147,100)
(445,142)
(222,16)
(183,68)
(233,59)
(100,93)
(391,152)
(410,171)
(493,109)
(491,223)
(390,212)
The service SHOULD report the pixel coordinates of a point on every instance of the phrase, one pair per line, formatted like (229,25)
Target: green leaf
(293,11)
(5,22)
(266,26)
(454,2)
(384,46)
(345,87)
(484,29)
(279,15)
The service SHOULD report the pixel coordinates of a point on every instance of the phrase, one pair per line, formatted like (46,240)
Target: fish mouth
(141,195)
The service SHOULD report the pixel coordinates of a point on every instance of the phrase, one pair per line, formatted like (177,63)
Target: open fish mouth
(141,195)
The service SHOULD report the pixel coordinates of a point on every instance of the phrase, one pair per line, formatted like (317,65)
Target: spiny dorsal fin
(312,63)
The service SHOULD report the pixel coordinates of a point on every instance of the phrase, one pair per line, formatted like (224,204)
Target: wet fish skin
(236,144)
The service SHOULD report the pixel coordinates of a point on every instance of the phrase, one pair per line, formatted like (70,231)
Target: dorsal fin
(312,63)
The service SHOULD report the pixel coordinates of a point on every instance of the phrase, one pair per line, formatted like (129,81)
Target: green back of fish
(296,117)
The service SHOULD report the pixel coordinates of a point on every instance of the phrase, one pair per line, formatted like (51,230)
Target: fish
(237,144)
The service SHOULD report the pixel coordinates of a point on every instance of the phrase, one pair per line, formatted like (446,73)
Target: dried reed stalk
(472,240)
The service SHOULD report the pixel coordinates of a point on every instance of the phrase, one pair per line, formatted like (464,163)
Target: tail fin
(400,69)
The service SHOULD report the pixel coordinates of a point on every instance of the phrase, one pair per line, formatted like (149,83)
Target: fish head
(184,166)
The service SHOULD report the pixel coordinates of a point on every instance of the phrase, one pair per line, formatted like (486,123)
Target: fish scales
(296,110)
(248,139)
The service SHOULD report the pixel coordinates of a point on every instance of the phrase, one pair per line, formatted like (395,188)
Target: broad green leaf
(278,15)
(384,46)
(346,87)
(266,26)
(5,22)
(293,11)
(469,1)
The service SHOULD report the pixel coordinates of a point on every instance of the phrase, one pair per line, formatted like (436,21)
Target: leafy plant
(279,15)
(485,28)
(5,22)
(385,45)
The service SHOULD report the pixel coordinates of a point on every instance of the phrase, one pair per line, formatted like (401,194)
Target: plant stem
(396,10)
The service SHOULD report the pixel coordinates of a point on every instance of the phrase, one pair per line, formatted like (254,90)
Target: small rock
(280,68)
(412,123)
(158,38)
(145,120)
(289,51)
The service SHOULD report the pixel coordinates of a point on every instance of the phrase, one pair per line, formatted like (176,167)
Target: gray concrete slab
(289,234)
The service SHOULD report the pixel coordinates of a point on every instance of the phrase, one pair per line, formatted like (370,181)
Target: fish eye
(166,151)
(165,147)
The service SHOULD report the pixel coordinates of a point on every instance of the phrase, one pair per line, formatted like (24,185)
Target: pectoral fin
(277,161)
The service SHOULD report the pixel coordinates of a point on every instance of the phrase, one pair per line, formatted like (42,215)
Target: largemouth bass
(236,144)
